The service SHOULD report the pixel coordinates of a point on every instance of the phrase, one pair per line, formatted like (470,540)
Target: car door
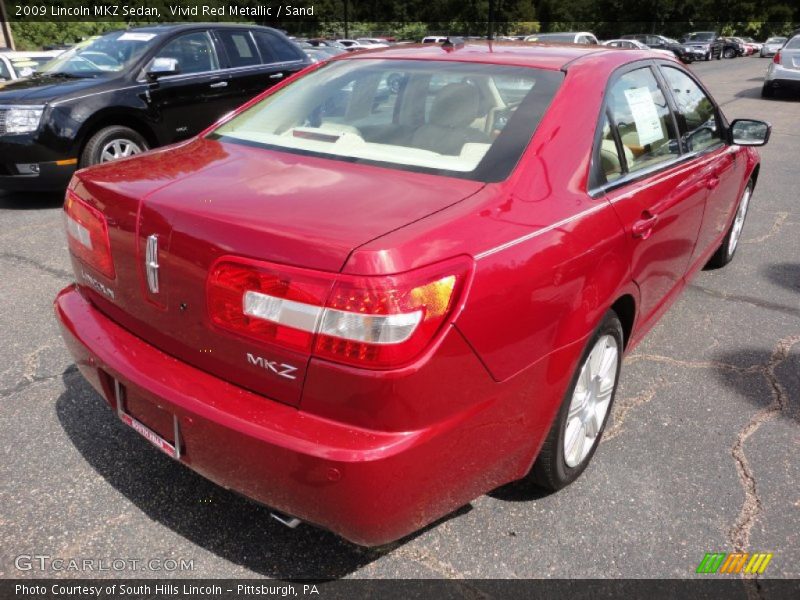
(187,102)
(657,194)
(253,62)
(703,132)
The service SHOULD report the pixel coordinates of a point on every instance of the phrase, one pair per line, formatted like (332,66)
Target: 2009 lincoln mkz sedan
(403,278)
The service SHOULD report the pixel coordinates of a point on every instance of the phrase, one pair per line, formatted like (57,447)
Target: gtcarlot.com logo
(45,562)
(735,562)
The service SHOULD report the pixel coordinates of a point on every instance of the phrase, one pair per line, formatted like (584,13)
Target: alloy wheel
(738,221)
(119,148)
(591,400)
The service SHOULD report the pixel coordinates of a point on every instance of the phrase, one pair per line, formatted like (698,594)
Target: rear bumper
(371,487)
(779,76)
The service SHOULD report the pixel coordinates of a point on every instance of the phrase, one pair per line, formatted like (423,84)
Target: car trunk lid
(203,200)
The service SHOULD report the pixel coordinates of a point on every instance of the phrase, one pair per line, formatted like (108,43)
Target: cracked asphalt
(701,455)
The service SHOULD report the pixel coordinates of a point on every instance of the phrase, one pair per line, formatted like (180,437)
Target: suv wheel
(112,143)
(730,53)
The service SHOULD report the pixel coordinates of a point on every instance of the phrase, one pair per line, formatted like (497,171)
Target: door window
(643,120)
(239,47)
(273,49)
(4,74)
(193,51)
(697,117)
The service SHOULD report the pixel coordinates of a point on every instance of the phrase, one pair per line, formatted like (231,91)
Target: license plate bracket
(172,450)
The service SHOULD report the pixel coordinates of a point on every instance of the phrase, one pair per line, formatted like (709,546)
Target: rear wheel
(577,429)
(767,91)
(112,143)
(730,53)
(730,242)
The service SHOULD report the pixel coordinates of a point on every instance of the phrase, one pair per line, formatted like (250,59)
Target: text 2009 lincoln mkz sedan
(403,278)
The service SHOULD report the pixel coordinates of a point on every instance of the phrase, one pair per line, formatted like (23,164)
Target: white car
(564,37)
(373,41)
(16,65)
(634,45)
(353,45)
(434,39)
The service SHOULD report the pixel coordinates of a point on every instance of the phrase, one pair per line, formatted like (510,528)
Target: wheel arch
(111,118)
(625,309)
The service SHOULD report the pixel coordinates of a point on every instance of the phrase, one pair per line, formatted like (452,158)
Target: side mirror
(749,132)
(161,67)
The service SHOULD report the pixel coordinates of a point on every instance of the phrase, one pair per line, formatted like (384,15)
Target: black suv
(659,42)
(127,91)
(704,45)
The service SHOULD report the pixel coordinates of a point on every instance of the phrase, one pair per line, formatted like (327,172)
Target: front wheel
(730,53)
(577,429)
(730,242)
(112,143)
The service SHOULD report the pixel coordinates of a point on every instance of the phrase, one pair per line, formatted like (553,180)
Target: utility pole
(490,29)
(6,39)
(346,19)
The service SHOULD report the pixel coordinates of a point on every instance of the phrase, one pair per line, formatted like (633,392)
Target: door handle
(276,76)
(219,84)
(644,226)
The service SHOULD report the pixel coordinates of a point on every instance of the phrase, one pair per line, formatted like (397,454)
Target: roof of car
(527,54)
(168,27)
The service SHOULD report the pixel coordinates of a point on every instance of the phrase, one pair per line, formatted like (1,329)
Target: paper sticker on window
(645,115)
(132,36)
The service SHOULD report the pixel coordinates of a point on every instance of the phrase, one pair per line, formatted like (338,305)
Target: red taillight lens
(777,58)
(374,322)
(87,234)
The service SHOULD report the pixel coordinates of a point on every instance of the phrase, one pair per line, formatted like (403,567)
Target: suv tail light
(777,58)
(87,234)
(367,321)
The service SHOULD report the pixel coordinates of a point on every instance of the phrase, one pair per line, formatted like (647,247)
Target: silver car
(771,46)
(784,70)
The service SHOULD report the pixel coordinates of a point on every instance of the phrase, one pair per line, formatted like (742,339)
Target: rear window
(464,120)
(793,44)
(275,49)
(239,47)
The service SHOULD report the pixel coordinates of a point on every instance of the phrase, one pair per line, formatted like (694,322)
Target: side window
(4,74)
(697,117)
(273,49)
(239,47)
(608,156)
(193,51)
(643,119)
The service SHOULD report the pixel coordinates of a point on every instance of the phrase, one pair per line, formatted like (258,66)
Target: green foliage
(34,35)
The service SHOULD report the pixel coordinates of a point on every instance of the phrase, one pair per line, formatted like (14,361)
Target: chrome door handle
(219,84)
(276,76)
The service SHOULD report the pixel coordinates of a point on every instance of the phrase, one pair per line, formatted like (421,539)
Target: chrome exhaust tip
(290,522)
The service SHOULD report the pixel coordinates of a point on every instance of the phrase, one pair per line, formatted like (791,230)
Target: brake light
(367,321)
(777,58)
(87,234)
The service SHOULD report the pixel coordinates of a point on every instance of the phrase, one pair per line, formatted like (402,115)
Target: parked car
(733,47)
(130,90)
(566,37)
(704,45)
(659,42)
(434,39)
(753,46)
(365,320)
(373,41)
(783,73)
(771,46)
(328,45)
(15,65)
(352,45)
(634,45)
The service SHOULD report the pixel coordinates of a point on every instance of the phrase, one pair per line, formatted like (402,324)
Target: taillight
(367,321)
(777,58)
(87,234)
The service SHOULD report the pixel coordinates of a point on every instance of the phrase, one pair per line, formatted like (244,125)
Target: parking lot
(701,454)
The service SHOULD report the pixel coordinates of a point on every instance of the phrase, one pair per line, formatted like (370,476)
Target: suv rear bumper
(371,487)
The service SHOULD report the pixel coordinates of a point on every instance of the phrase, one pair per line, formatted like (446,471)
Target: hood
(39,89)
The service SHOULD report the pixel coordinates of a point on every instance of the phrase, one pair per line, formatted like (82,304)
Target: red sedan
(403,278)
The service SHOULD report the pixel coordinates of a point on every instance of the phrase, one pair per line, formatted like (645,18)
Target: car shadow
(218,520)
(30,200)
(523,490)
(785,275)
(754,92)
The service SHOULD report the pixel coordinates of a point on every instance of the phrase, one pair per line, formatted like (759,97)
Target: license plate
(172,450)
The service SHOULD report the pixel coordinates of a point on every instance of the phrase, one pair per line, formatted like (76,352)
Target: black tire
(551,471)
(725,253)
(730,53)
(767,91)
(92,152)
(708,56)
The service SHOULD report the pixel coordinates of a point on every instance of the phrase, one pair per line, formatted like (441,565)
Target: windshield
(460,119)
(702,36)
(552,37)
(96,56)
(776,40)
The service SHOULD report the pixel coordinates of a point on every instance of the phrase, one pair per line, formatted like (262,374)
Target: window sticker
(133,36)
(645,115)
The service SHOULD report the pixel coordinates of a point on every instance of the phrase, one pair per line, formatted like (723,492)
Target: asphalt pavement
(701,456)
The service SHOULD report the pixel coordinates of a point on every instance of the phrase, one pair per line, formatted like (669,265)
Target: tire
(730,53)
(708,56)
(557,464)
(115,139)
(727,249)
(767,91)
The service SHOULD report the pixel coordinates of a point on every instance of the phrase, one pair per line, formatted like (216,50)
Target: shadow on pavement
(519,491)
(30,200)
(218,520)
(785,275)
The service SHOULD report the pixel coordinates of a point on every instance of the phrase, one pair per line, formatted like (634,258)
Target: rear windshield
(793,44)
(465,120)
